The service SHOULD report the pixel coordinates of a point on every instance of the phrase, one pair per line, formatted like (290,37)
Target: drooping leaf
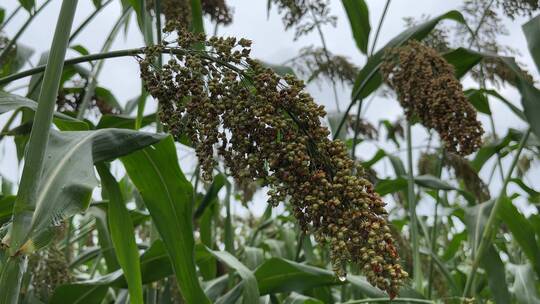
(522,232)
(358,15)
(10,102)
(68,176)
(122,235)
(168,196)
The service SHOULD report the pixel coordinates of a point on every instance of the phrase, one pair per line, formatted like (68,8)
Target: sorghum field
(389,154)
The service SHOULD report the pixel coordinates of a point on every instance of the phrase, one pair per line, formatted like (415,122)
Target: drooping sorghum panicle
(428,90)
(316,64)
(267,127)
(428,164)
(471,181)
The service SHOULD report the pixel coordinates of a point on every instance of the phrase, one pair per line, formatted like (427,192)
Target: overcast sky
(271,43)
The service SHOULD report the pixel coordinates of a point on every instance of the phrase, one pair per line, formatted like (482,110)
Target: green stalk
(435,225)
(8,19)
(92,82)
(411,200)
(12,42)
(157,10)
(327,55)
(490,227)
(114,54)
(87,20)
(24,207)
(385,10)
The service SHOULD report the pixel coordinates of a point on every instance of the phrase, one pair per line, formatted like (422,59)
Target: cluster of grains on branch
(266,127)
(50,269)
(428,90)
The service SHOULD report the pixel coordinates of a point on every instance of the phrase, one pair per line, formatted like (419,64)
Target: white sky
(271,44)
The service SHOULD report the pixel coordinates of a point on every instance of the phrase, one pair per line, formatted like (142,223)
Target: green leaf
(358,14)
(522,231)
(10,102)
(532,33)
(524,286)
(122,235)
(197,24)
(123,121)
(250,288)
(496,276)
(280,275)
(6,208)
(168,196)
(432,182)
(387,186)
(369,78)
(475,220)
(479,100)
(79,294)
(530,99)
(68,176)
(463,60)
(28,4)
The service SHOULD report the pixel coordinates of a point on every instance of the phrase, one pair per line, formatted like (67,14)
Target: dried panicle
(266,127)
(362,127)
(428,164)
(50,269)
(177,13)
(519,8)
(304,15)
(217,10)
(70,99)
(428,90)
(471,181)
(315,63)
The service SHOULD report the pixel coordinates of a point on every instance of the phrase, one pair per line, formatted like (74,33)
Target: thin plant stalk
(385,10)
(12,42)
(24,206)
(92,81)
(413,224)
(10,17)
(157,10)
(327,55)
(435,226)
(88,19)
(490,228)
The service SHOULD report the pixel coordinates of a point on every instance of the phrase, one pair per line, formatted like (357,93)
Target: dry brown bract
(428,90)
(268,128)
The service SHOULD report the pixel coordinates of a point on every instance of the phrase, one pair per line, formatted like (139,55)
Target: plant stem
(356,127)
(379,27)
(490,228)
(326,54)
(157,10)
(435,226)
(8,19)
(87,20)
(92,81)
(112,54)
(411,200)
(12,42)
(24,206)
